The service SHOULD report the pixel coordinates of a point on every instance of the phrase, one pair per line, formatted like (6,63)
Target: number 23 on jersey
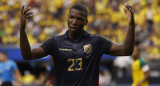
(75,64)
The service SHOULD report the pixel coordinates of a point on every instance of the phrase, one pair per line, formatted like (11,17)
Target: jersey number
(73,62)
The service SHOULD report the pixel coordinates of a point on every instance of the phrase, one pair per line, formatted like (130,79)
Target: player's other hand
(25,14)
(129,13)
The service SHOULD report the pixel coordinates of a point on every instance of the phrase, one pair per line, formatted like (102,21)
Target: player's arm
(146,70)
(128,46)
(146,77)
(26,51)
(17,76)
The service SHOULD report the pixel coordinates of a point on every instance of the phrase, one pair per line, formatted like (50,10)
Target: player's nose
(74,21)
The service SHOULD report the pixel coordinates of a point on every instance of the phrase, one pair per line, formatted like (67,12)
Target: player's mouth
(73,28)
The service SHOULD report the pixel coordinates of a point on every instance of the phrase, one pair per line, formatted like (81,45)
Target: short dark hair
(80,7)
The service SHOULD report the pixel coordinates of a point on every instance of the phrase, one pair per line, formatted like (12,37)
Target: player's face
(2,57)
(76,20)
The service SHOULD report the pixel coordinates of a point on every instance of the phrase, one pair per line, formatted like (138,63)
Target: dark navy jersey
(77,63)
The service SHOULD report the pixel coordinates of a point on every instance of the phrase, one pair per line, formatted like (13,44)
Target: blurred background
(106,18)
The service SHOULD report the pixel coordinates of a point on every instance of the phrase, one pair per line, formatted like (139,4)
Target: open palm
(129,13)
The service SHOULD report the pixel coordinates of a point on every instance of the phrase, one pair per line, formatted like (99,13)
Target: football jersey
(77,63)
(137,72)
(7,70)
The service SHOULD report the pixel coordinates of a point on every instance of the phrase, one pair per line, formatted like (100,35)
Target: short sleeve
(142,62)
(14,65)
(144,65)
(106,44)
(48,46)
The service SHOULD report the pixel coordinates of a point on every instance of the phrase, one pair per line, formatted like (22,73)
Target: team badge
(87,48)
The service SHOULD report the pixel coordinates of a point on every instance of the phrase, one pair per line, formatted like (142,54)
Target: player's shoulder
(142,61)
(55,37)
(98,37)
(11,62)
(95,36)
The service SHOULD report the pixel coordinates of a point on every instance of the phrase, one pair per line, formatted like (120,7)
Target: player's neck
(135,58)
(4,60)
(75,36)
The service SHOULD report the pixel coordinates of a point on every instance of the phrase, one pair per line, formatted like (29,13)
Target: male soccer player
(77,53)
(8,71)
(140,69)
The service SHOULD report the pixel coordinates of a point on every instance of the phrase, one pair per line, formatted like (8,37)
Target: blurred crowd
(106,18)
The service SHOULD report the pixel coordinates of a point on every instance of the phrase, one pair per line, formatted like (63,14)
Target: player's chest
(5,67)
(136,66)
(71,50)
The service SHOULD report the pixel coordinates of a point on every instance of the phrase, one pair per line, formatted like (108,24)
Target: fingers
(129,13)
(26,10)
(28,15)
(22,9)
(25,13)
(129,7)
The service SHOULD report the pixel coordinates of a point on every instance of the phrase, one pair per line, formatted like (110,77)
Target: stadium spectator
(140,69)
(8,71)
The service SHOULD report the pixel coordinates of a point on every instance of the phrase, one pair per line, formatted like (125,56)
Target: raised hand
(25,14)
(129,13)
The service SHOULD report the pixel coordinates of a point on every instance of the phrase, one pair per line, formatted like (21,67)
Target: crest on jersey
(87,48)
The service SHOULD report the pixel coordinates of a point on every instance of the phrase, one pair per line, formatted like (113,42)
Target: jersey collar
(66,34)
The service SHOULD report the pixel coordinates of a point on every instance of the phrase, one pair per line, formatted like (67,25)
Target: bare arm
(17,76)
(26,51)
(128,46)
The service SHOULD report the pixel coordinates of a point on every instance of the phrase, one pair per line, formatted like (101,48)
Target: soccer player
(140,69)
(77,53)
(8,71)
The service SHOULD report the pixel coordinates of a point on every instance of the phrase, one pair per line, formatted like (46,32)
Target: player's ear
(86,22)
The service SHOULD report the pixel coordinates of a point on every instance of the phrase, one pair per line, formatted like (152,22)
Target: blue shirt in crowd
(7,70)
